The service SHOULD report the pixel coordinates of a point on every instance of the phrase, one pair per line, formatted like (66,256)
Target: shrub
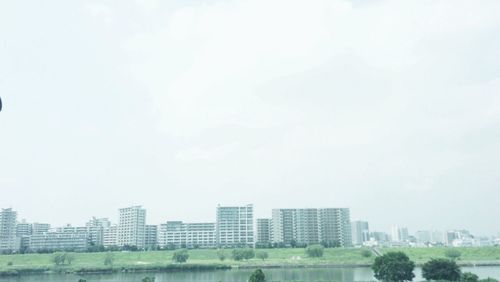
(262,255)
(180,256)
(148,279)
(469,277)
(109,259)
(9,263)
(257,276)
(315,251)
(452,254)
(221,255)
(366,253)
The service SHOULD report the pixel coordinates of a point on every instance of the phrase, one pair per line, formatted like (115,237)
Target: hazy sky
(390,108)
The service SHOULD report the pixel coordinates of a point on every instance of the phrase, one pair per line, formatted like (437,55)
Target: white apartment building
(40,227)
(63,238)
(329,226)
(110,236)
(177,234)
(95,228)
(234,226)
(8,240)
(132,227)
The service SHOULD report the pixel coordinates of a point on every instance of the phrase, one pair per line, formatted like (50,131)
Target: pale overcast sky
(390,108)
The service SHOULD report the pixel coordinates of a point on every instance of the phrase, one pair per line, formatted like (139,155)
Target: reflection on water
(282,274)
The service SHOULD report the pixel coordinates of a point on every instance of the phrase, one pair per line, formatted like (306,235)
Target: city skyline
(212,220)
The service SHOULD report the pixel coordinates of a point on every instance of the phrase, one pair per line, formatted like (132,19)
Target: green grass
(196,257)
(209,258)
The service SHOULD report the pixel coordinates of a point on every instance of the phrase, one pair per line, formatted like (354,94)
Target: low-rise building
(64,238)
(177,234)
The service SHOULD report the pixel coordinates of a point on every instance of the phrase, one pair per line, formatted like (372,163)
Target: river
(276,274)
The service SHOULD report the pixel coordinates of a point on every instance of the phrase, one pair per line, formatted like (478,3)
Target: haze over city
(389,108)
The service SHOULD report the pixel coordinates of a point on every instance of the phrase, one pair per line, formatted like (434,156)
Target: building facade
(132,227)
(399,234)
(329,226)
(360,232)
(264,231)
(177,234)
(95,229)
(234,226)
(151,240)
(110,236)
(64,238)
(8,240)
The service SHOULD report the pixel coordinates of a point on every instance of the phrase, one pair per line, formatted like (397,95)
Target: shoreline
(197,267)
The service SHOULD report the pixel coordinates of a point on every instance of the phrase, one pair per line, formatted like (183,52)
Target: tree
(148,279)
(441,269)
(257,276)
(61,258)
(109,259)
(241,254)
(366,253)
(452,254)
(394,266)
(180,256)
(262,255)
(58,258)
(489,279)
(221,255)
(69,258)
(469,277)
(315,251)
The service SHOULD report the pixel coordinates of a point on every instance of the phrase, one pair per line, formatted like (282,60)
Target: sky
(389,108)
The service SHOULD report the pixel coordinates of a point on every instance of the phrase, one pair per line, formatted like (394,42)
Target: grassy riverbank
(468,255)
(208,259)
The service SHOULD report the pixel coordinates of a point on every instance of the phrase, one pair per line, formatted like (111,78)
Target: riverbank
(161,261)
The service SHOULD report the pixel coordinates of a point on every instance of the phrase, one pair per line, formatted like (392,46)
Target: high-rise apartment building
(95,229)
(8,240)
(151,240)
(330,226)
(335,227)
(264,230)
(234,226)
(360,232)
(132,227)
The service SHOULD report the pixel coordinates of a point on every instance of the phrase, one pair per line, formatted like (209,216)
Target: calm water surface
(286,274)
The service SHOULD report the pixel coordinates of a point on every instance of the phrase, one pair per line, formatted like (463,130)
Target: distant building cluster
(233,227)
(400,237)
